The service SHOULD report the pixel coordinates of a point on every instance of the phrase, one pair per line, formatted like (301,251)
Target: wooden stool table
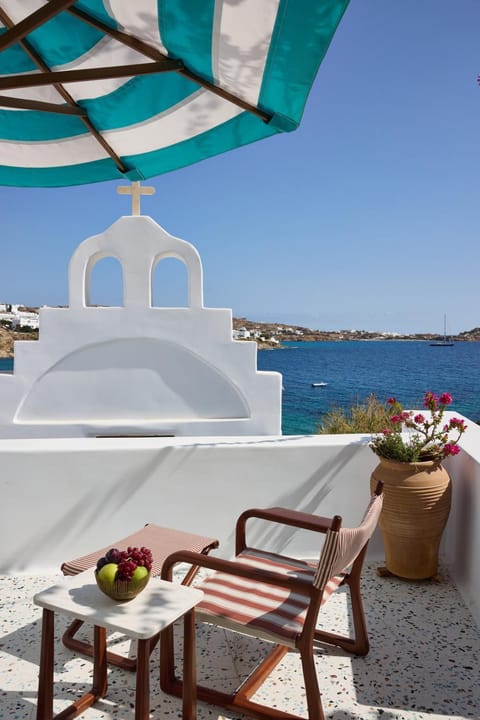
(153,610)
(162,542)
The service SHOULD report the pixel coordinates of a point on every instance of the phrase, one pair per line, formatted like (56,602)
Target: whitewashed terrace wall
(65,497)
(461,543)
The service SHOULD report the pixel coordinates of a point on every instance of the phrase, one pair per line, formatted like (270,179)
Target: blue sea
(353,370)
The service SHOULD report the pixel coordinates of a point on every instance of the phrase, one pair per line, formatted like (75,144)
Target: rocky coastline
(272,335)
(8,337)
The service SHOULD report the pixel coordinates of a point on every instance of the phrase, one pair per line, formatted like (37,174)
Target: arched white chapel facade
(137,369)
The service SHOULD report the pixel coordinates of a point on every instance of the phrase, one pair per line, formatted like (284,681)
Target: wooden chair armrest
(302,585)
(294,518)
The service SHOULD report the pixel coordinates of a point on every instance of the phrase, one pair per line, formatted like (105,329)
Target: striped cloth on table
(160,540)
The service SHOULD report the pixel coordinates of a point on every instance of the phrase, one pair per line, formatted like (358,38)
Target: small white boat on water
(319,384)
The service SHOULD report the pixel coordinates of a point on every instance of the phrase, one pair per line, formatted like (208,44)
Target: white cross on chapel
(135,190)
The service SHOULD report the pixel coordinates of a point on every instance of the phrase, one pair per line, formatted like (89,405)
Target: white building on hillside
(18,318)
(241,334)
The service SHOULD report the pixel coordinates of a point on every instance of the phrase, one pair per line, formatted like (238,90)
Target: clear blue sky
(366,217)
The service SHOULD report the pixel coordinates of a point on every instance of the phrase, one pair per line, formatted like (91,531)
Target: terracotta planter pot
(416,505)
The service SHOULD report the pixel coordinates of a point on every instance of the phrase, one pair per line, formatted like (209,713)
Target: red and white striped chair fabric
(258,608)
(276,613)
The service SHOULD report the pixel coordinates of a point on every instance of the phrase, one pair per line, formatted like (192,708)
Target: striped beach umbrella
(94,90)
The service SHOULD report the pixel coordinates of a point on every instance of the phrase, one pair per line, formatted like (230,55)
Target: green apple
(139,577)
(107,573)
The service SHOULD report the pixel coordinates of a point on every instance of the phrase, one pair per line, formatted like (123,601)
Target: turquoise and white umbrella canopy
(102,89)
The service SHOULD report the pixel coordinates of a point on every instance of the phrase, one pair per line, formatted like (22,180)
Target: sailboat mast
(444,342)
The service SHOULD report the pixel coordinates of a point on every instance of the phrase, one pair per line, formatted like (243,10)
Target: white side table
(154,609)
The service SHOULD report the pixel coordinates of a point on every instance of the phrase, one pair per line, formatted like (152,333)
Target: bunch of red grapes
(127,560)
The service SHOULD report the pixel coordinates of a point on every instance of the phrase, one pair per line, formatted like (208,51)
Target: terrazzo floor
(423,663)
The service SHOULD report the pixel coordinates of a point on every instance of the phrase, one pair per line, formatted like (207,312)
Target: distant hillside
(282,332)
(471,335)
(8,337)
(263,333)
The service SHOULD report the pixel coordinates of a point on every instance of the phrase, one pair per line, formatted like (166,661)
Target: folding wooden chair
(278,598)
(162,542)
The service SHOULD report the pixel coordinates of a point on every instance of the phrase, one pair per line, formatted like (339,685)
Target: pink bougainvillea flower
(450,449)
(430,437)
(430,401)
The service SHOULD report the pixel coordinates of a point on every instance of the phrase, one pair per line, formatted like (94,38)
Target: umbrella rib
(24,104)
(154,54)
(72,107)
(17,32)
(98,73)
(31,22)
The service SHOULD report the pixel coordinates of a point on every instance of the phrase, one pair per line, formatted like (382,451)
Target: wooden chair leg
(362,644)
(359,643)
(261,672)
(239,700)
(314,701)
